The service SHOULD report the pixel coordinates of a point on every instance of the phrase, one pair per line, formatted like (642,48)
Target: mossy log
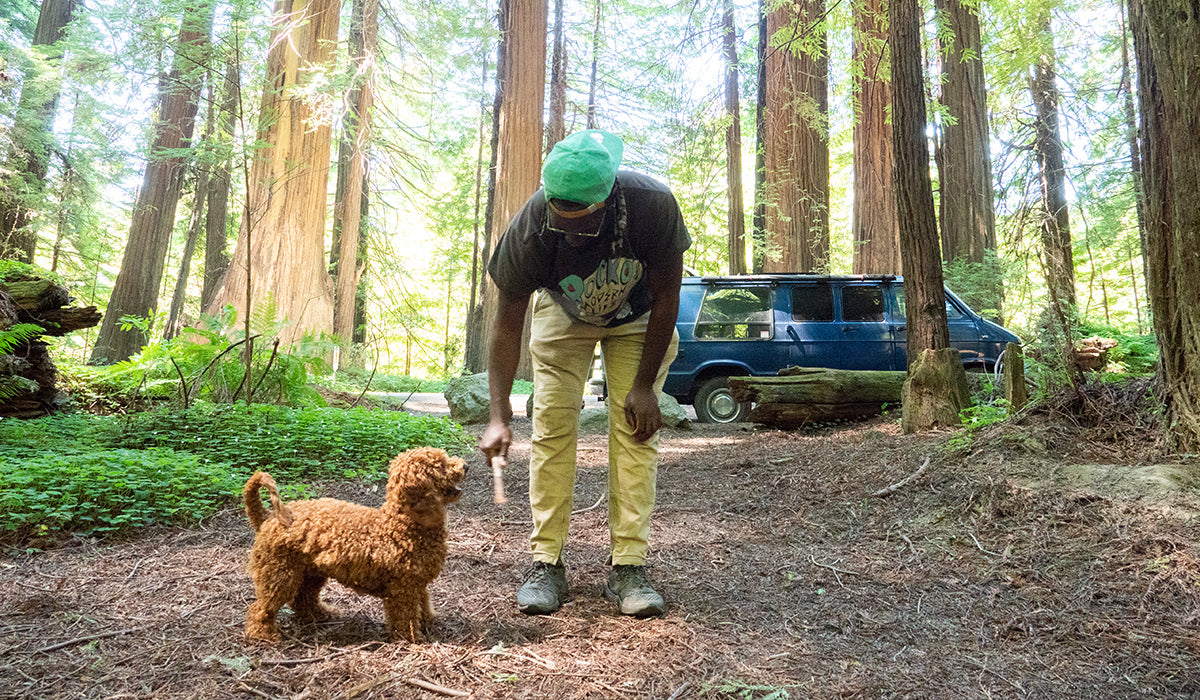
(813,395)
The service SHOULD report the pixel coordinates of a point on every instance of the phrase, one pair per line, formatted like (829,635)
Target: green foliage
(293,444)
(214,368)
(95,492)
(741,690)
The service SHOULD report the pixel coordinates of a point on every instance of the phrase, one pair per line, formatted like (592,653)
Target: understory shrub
(95,492)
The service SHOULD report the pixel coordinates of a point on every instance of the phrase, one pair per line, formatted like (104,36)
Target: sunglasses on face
(571,215)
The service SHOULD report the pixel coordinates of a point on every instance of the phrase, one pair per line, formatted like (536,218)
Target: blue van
(755,325)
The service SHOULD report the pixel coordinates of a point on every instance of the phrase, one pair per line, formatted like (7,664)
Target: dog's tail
(255,512)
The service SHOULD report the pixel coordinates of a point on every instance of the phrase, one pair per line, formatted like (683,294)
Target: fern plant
(203,362)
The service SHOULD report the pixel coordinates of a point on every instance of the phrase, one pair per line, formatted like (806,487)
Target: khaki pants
(562,350)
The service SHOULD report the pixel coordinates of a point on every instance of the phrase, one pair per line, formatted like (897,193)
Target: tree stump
(935,391)
(1014,378)
(27,373)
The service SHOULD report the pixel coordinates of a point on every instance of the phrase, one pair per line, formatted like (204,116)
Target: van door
(807,324)
(867,338)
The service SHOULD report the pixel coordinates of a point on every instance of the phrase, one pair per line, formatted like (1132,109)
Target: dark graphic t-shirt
(603,282)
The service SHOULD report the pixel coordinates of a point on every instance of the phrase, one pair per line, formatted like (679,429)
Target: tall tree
(733,147)
(199,202)
(280,251)
(876,229)
(22,188)
(518,153)
(1048,148)
(216,215)
(556,125)
(936,388)
(968,219)
(796,139)
(135,292)
(1166,33)
(345,262)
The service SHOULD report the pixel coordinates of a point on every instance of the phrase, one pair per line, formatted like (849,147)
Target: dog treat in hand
(498,479)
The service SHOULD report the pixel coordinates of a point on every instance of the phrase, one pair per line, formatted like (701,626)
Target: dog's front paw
(410,632)
(263,635)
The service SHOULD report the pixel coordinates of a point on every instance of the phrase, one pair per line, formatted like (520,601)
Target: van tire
(714,403)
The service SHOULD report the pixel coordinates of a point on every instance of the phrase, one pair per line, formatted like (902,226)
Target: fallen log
(813,394)
(27,373)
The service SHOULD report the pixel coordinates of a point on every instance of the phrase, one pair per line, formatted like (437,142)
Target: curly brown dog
(391,552)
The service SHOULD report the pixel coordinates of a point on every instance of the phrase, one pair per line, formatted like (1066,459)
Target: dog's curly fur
(392,552)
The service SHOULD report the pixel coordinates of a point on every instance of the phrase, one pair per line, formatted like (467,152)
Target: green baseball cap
(583,166)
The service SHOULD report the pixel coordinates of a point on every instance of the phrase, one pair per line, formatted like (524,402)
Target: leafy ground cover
(1041,558)
(101,475)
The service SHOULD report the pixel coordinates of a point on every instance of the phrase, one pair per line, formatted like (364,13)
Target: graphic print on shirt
(604,295)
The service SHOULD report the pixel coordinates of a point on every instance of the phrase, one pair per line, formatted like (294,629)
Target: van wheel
(715,404)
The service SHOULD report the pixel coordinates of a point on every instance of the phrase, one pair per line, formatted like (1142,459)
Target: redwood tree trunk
(936,389)
(216,218)
(1166,33)
(519,139)
(345,262)
(135,292)
(556,125)
(796,188)
(1056,230)
(733,148)
(968,220)
(288,183)
(876,229)
(22,188)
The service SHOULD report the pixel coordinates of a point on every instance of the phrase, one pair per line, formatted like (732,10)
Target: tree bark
(1056,230)
(556,128)
(345,263)
(796,188)
(135,292)
(518,150)
(929,397)
(216,218)
(289,176)
(876,229)
(968,220)
(736,237)
(1166,33)
(189,250)
(23,187)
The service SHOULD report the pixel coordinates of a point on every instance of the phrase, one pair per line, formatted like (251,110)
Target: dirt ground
(1038,560)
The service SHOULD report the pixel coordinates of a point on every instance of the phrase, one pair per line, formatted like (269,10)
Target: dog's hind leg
(275,585)
(307,603)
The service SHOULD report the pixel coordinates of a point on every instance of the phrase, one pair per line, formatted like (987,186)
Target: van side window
(812,302)
(862,304)
(952,311)
(738,313)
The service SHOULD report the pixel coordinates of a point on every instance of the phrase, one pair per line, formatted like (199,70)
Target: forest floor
(1035,559)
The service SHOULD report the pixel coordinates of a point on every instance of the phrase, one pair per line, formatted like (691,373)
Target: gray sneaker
(543,588)
(628,588)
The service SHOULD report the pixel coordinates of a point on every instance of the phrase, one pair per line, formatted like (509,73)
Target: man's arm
(503,357)
(641,405)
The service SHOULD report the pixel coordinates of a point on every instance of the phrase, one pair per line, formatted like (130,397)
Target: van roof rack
(781,276)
